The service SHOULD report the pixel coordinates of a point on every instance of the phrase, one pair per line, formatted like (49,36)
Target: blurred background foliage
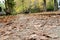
(33,5)
(50,5)
(2,5)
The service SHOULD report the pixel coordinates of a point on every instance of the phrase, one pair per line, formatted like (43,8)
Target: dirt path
(30,27)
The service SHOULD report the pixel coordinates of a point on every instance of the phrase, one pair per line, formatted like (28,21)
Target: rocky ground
(30,27)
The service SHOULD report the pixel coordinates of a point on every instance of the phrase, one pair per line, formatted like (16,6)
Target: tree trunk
(9,5)
(7,9)
(44,5)
(55,5)
(23,6)
(5,4)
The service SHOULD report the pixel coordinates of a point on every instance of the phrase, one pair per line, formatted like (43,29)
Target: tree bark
(55,5)
(9,4)
(44,5)
(7,9)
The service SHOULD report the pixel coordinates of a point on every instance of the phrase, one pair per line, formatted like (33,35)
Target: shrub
(35,10)
(50,6)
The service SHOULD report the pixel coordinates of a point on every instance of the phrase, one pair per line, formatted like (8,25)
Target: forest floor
(30,27)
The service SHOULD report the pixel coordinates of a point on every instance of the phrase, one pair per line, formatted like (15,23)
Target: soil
(30,27)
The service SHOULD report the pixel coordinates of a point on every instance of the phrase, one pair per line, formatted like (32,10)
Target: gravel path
(30,27)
